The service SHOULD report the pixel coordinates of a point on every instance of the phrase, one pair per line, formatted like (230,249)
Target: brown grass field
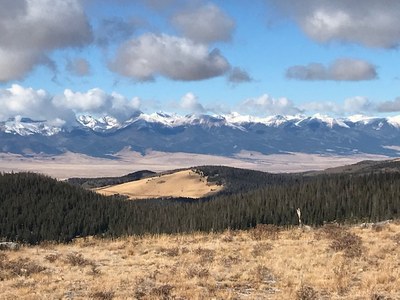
(332,262)
(184,183)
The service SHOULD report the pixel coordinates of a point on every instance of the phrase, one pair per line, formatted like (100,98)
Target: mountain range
(204,134)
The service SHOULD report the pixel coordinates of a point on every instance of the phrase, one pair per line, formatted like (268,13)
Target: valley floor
(78,165)
(263,263)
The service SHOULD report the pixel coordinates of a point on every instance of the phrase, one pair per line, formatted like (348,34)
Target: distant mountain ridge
(206,134)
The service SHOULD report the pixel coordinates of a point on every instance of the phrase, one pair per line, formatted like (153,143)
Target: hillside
(365,167)
(185,183)
(36,208)
(263,263)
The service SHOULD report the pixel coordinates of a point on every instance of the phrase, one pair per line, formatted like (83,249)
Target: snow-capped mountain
(211,134)
(26,126)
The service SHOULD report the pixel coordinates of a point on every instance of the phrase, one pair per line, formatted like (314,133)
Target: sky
(259,57)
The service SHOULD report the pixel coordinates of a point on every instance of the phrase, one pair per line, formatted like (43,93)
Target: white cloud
(189,102)
(370,23)
(176,58)
(27,102)
(205,24)
(354,105)
(59,109)
(97,102)
(357,104)
(30,29)
(322,107)
(266,104)
(340,70)
(390,106)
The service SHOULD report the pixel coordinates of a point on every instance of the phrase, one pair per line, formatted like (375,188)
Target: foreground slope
(264,263)
(185,183)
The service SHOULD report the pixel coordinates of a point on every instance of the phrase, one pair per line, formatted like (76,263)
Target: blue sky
(259,57)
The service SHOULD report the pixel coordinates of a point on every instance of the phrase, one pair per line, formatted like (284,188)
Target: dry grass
(185,183)
(265,263)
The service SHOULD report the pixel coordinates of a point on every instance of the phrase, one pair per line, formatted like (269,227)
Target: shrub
(265,231)
(102,295)
(306,293)
(76,259)
(20,267)
(348,242)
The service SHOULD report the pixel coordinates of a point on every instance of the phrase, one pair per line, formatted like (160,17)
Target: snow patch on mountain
(26,126)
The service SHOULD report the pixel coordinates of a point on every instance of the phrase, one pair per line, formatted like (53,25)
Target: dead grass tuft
(396,238)
(206,255)
(376,296)
(52,257)
(172,252)
(306,292)
(162,292)
(265,231)
(261,249)
(348,242)
(102,295)
(16,268)
(77,259)
(195,271)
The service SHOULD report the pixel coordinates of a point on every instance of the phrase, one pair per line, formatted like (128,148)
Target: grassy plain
(79,165)
(263,263)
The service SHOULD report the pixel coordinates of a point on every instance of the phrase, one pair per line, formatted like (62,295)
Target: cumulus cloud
(238,75)
(114,30)
(368,22)
(340,70)
(98,102)
(357,104)
(189,102)
(60,109)
(149,55)
(390,106)
(27,102)
(30,29)
(78,67)
(205,24)
(324,106)
(267,104)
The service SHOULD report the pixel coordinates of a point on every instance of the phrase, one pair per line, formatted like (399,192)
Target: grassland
(184,183)
(332,262)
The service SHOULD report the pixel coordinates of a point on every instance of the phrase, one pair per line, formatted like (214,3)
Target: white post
(299,216)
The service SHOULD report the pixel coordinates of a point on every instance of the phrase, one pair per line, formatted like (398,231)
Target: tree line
(35,208)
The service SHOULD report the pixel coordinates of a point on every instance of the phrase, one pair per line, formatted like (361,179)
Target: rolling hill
(185,183)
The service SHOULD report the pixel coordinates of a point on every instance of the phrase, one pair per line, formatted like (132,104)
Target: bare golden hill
(186,183)
(332,262)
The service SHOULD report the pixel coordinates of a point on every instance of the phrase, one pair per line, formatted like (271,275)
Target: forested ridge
(34,208)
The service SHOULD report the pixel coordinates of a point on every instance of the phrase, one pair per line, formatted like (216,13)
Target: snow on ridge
(29,127)
(394,121)
(26,126)
(361,119)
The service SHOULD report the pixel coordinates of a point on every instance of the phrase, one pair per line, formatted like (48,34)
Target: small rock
(9,246)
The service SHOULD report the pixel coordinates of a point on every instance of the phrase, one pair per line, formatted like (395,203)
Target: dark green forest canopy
(34,208)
